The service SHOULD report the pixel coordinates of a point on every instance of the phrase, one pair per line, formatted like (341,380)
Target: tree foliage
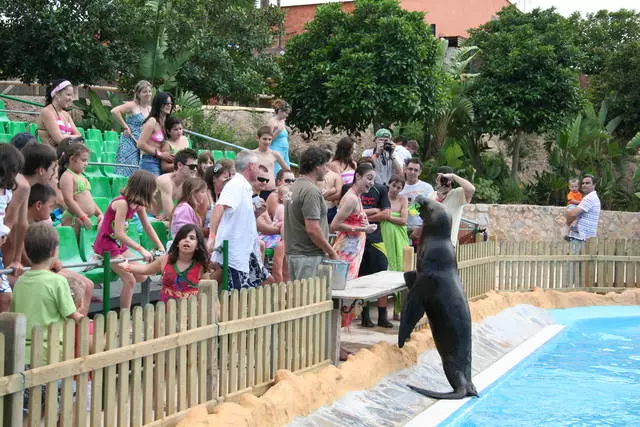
(527,80)
(351,69)
(85,41)
(610,42)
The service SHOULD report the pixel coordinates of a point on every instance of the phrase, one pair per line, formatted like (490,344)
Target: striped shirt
(588,218)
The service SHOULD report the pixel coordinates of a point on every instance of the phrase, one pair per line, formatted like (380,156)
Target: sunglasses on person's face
(290,180)
(192,166)
(263,180)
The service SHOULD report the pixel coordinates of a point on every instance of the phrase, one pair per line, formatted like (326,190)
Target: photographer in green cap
(383,157)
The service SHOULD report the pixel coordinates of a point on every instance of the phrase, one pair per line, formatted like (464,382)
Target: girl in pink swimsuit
(112,235)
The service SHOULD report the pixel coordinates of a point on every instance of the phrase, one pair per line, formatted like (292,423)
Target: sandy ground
(296,395)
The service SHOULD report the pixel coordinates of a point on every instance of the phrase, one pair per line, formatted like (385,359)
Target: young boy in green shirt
(39,293)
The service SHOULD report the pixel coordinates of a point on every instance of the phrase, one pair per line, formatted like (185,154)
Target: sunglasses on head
(263,180)
(290,180)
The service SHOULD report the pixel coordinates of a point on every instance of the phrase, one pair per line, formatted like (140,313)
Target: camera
(388,147)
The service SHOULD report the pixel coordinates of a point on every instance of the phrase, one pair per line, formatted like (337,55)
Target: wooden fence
(599,265)
(151,365)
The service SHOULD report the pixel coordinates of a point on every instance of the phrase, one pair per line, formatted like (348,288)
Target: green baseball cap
(383,133)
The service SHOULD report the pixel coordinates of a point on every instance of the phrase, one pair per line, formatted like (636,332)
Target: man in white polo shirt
(587,213)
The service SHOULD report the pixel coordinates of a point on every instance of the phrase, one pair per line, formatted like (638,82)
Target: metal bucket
(340,271)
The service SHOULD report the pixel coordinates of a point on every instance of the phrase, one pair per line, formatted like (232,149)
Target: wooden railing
(599,265)
(151,365)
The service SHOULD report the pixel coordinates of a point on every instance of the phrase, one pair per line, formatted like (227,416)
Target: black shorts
(374,260)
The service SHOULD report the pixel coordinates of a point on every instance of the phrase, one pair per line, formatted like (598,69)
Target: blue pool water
(588,374)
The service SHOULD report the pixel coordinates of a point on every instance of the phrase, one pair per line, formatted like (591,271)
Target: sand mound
(296,395)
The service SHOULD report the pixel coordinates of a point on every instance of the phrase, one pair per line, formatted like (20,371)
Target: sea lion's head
(436,222)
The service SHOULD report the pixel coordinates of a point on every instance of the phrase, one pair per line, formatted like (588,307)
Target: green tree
(227,42)
(351,69)
(527,81)
(609,43)
(87,41)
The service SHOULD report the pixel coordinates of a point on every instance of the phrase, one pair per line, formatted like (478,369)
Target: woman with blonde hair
(136,111)
(55,123)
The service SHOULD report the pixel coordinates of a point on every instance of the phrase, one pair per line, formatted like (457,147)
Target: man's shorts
(303,266)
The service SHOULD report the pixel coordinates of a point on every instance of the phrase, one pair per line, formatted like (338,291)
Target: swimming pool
(588,374)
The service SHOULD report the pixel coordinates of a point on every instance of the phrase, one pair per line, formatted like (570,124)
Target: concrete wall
(546,223)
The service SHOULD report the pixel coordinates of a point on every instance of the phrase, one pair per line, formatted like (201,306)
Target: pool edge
(442,409)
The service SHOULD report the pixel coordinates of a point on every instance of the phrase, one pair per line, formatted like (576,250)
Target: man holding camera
(453,199)
(383,157)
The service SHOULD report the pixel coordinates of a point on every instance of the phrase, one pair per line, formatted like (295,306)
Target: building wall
(452,18)
(455,17)
(296,16)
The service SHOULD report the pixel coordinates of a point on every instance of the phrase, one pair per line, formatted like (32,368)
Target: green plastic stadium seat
(94,134)
(111,135)
(82,133)
(110,146)
(217,155)
(3,115)
(5,138)
(100,186)
(17,127)
(68,251)
(108,158)
(93,170)
(231,155)
(94,145)
(87,237)
(118,183)
(33,129)
(102,202)
(161,231)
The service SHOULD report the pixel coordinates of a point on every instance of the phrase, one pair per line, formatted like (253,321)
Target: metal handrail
(24,101)
(112,164)
(209,138)
(33,113)
(94,264)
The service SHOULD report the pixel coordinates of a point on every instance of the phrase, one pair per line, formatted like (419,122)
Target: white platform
(372,286)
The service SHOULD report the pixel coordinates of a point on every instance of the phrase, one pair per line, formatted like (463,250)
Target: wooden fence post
(210,289)
(14,328)
(332,338)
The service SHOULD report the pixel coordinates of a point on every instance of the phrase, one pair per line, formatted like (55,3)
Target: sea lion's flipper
(411,314)
(456,394)
(410,278)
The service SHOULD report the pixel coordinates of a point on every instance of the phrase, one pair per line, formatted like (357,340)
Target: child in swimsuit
(182,268)
(112,237)
(76,189)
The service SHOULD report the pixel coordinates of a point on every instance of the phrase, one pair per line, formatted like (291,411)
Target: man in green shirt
(306,229)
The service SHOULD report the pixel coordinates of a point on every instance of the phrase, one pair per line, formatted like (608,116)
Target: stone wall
(545,223)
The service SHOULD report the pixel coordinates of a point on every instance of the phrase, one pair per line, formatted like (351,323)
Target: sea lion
(435,289)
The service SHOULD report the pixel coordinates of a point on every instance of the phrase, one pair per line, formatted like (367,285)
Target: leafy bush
(513,192)
(548,189)
(97,115)
(486,191)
